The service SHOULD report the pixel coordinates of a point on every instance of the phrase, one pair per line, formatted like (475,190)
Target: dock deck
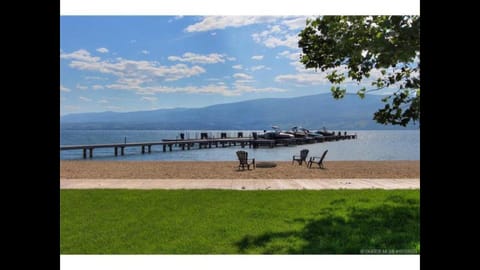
(205,143)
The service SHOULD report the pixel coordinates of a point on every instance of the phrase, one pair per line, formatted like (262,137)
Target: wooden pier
(205,143)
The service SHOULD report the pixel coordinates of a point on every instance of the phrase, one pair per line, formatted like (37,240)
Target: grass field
(239,222)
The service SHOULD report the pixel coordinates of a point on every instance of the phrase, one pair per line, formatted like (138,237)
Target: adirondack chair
(300,158)
(318,160)
(244,160)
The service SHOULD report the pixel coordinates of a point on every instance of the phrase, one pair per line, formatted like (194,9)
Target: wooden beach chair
(244,161)
(301,158)
(318,160)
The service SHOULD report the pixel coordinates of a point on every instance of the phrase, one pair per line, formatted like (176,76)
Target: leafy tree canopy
(386,48)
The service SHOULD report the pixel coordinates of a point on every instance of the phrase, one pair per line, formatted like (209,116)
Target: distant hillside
(311,112)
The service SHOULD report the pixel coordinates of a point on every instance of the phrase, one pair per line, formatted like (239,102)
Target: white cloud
(283,34)
(95,78)
(312,77)
(242,82)
(133,41)
(301,67)
(80,55)
(102,50)
(242,88)
(150,99)
(212,58)
(103,101)
(219,88)
(257,57)
(131,73)
(237,67)
(213,34)
(284,53)
(242,76)
(258,37)
(221,22)
(231,58)
(176,18)
(64,89)
(290,41)
(297,23)
(81,87)
(97,87)
(85,99)
(255,68)
(237,89)
(145,52)
(274,29)
(289,55)
(302,78)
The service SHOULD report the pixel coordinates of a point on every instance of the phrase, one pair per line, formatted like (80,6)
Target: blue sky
(130,63)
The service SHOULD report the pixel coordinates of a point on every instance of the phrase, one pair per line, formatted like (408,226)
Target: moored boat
(298,132)
(324,132)
(276,134)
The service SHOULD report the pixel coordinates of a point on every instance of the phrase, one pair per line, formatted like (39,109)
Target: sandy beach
(229,170)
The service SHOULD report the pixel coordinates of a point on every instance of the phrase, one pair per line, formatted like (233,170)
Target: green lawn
(238,222)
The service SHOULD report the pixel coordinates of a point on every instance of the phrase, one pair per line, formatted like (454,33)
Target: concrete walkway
(240,184)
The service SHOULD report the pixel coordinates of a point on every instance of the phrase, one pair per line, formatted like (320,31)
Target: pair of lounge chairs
(303,158)
(244,161)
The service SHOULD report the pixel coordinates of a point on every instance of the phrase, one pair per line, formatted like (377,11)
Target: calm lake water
(369,145)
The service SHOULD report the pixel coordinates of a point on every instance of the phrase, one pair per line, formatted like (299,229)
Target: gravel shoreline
(229,170)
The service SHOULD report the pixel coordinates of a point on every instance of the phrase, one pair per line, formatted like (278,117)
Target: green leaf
(361,92)
(338,92)
(336,78)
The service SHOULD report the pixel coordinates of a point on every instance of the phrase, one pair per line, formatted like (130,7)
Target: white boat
(298,132)
(276,134)
(324,132)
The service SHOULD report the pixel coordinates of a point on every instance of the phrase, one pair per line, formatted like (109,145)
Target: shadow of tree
(339,229)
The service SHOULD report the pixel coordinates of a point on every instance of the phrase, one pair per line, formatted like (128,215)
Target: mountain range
(312,112)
